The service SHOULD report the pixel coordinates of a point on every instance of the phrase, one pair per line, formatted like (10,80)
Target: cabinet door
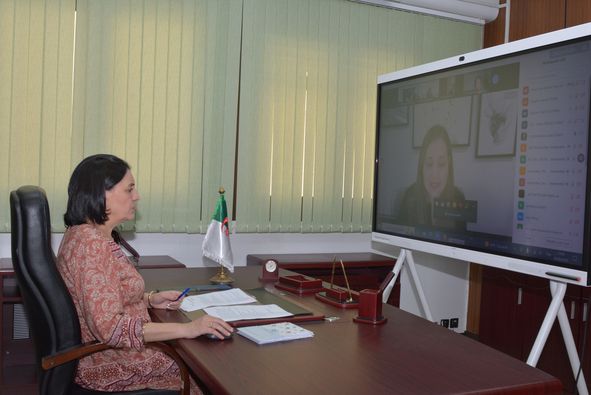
(499,308)
(577,12)
(512,311)
(533,17)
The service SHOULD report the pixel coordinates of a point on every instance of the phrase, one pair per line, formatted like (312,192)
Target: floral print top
(108,293)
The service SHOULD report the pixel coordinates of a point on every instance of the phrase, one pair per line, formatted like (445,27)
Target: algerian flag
(216,245)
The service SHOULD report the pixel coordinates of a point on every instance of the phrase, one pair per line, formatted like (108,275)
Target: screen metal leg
(405,256)
(396,270)
(556,309)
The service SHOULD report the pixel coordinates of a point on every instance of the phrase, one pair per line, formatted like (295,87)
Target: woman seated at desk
(107,290)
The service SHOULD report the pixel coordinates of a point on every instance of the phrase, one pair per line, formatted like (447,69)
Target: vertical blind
(156,83)
(36,48)
(175,87)
(308,103)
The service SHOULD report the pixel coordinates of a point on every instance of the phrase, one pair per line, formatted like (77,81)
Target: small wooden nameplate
(339,298)
(299,285)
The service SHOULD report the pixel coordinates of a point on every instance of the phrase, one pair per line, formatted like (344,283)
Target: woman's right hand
(209,324)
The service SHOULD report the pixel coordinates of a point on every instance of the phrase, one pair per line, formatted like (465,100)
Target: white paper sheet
(220,298)
(235,313)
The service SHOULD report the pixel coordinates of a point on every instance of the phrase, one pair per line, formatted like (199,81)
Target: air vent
(20,328)
(473,11)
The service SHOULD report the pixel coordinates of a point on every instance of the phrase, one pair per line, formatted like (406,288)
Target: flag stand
(221,277)
(216,243)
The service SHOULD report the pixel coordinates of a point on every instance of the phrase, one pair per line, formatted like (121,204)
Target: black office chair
(50,310)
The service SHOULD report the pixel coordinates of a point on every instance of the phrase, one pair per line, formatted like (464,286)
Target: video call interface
(491,156)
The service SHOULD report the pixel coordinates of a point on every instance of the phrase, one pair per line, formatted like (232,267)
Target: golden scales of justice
(337,296)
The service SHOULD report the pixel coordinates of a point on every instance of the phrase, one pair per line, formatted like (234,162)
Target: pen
(183,293)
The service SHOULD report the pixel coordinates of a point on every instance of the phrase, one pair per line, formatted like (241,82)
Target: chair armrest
(51,361)
(62,357)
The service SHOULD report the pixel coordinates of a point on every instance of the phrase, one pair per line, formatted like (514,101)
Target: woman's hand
(159,331)
(209,324)
(200,326)
(165,300)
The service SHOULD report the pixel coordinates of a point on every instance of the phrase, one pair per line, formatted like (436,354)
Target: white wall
(444,280)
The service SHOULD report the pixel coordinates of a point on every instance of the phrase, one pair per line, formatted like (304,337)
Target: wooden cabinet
(577,12)
(512,310)
(532,17)
(17,369)
(500,310)
(365,270)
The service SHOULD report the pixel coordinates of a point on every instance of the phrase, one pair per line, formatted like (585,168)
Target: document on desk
(279,332)
(251,312)
(234,296)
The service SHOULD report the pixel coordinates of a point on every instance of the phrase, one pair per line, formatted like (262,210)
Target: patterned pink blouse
(108,293)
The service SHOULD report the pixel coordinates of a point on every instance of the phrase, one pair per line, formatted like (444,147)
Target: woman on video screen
(434,185)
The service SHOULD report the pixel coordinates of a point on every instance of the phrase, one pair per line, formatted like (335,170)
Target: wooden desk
(158,262)
(407,355)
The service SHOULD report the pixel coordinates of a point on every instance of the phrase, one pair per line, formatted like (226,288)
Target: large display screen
(488,152)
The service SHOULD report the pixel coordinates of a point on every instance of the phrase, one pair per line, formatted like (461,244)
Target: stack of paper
(236,313)
(221,298)
(230,306)
(271,333)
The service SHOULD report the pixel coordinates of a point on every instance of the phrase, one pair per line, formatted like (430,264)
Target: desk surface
(158,262)
(407,355)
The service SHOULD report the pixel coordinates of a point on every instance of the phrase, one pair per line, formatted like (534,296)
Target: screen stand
(405,256)
(556,309)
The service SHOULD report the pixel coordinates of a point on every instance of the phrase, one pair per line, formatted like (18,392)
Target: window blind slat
(309,18)
(282,99)
(7,47)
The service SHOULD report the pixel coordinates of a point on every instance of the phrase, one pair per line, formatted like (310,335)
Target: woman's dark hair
(435,133)
(416,207)
(86,190)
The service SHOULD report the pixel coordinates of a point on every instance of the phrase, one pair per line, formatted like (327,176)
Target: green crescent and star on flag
(216,244)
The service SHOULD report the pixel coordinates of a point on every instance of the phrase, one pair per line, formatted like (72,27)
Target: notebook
(272,333)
